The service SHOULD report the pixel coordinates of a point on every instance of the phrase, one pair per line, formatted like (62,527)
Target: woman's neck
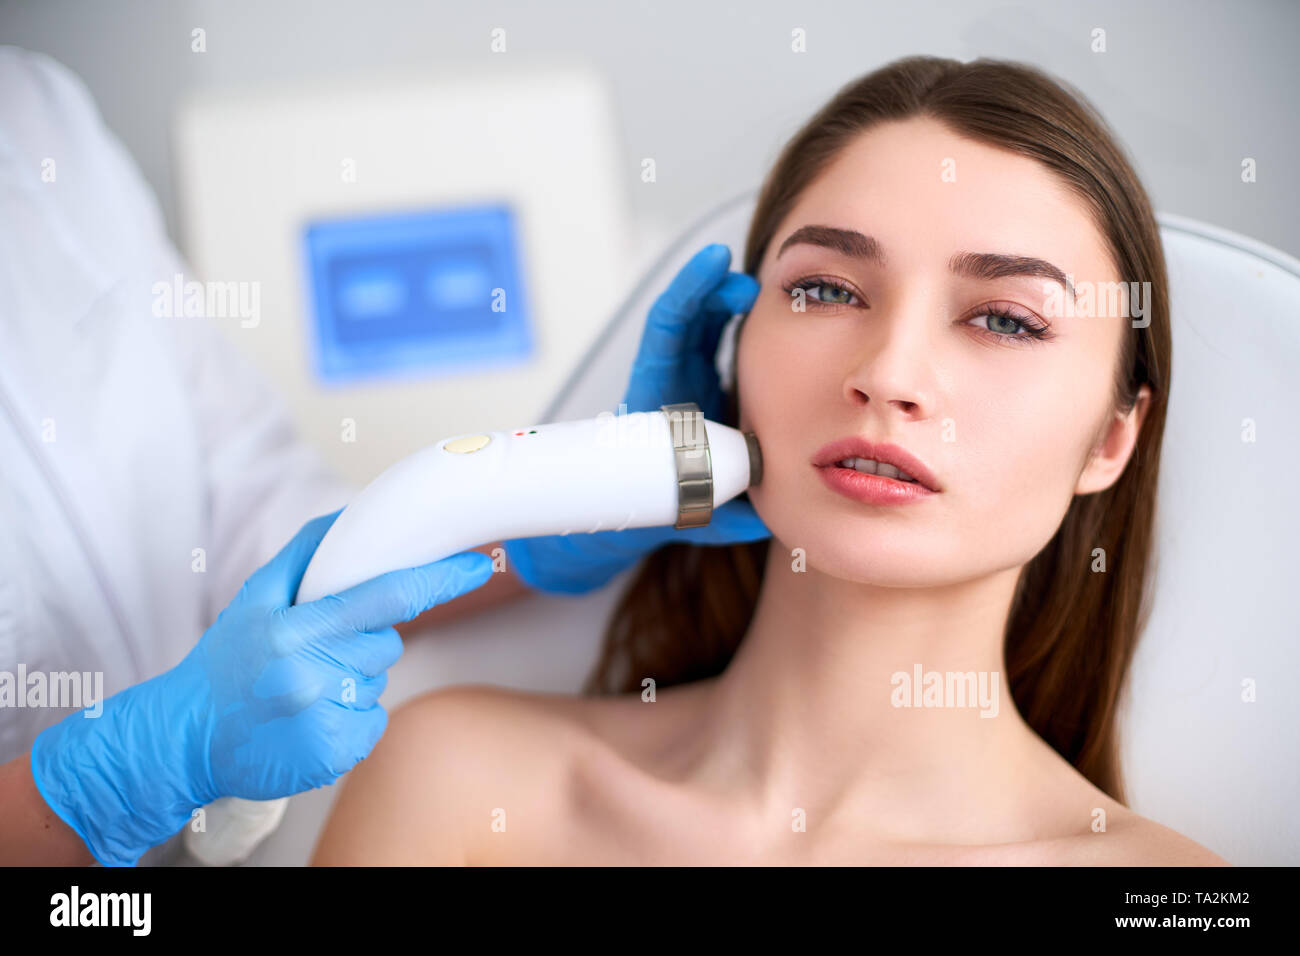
(820,710)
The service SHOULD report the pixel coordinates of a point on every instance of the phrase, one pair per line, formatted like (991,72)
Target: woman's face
(908,354)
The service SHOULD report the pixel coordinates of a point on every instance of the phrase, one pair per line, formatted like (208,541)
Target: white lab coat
(128,442)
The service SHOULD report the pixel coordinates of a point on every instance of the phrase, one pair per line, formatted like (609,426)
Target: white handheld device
(597,474)
(669,467)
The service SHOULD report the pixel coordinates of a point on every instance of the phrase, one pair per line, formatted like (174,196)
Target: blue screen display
(417,293)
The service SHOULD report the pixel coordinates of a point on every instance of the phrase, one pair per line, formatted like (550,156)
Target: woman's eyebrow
(995,265)
(847,242)
(976,265)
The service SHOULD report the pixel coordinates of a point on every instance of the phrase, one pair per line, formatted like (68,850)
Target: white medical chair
(1200,755)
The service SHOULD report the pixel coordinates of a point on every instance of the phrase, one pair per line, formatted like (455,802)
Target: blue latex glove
(272,700)
(675,363)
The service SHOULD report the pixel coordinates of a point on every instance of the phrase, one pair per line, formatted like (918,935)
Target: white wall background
(710,88)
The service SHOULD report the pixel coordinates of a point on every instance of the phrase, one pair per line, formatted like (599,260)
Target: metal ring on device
(694,464)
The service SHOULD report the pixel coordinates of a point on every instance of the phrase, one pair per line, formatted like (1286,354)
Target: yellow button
(463,446)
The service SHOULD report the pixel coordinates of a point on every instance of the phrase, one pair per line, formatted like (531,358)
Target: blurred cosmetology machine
(429,252)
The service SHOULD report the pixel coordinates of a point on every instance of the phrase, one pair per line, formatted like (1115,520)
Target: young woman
(936,252)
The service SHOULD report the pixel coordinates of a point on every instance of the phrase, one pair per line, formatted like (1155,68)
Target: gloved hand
(675,363)
(272,700)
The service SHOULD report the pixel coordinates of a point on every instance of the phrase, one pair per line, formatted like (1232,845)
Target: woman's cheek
(773,407)
(1015,483)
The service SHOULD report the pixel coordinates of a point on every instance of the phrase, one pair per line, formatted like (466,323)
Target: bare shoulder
(1091,828)
(472,709)
(536,774)
(1134,840)
(464,774)
(501,722)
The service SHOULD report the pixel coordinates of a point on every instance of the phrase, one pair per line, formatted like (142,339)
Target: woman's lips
(872,489)
(860,446)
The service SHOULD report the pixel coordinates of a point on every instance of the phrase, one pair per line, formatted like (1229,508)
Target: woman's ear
(1112,450)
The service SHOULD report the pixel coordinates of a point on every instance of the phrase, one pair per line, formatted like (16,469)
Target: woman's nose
(896,365)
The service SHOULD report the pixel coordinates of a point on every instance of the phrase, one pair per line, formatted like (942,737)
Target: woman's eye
(998,322)
(821,291)
(1006,325)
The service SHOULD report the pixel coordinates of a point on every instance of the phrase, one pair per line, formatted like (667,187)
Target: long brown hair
(1071,631)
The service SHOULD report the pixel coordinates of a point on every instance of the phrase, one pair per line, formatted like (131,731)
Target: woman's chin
(879,560)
